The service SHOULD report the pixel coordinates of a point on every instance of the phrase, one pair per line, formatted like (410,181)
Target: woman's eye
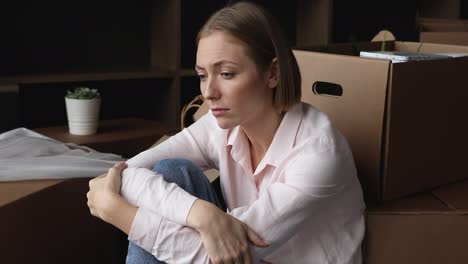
(227,75)
(202,77)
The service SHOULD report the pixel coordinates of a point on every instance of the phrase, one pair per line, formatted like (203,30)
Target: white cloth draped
(28,155)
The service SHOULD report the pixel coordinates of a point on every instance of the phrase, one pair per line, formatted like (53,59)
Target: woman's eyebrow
(217,64)
(221,62)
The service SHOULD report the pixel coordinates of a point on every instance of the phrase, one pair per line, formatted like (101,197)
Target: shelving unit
(103,45)
(140,55)
(85,76)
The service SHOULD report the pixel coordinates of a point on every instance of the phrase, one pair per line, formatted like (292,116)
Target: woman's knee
(175,167)
(189,177)
(179,171)
(171,164)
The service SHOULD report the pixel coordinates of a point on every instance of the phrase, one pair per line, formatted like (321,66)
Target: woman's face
(236,91)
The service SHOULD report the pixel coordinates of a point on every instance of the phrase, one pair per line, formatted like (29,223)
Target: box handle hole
(327,89)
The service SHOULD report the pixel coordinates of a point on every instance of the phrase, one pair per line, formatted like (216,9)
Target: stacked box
(405,121)
(427,228)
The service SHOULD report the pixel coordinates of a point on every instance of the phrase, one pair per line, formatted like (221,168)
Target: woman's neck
(260,134)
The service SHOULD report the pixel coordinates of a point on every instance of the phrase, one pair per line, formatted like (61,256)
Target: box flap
(358,112)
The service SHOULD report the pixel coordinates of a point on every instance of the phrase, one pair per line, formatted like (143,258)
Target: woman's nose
(210,89)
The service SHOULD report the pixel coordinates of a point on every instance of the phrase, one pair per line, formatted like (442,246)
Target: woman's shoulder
(312,116)
(317,128)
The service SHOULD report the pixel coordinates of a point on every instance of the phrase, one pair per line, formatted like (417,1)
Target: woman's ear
(273,73)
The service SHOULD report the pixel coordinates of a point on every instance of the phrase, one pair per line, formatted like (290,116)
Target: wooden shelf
(86,76)
(126,137)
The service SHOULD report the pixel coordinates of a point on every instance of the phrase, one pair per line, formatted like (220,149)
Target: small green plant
(82,93)
(419,48)
(382,46)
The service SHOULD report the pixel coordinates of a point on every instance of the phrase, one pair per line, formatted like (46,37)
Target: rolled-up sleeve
(145,188)
(166,240)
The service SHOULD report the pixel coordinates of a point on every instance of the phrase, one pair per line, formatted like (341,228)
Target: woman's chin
(224,124)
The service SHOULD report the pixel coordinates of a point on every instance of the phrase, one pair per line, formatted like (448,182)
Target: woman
(287,174)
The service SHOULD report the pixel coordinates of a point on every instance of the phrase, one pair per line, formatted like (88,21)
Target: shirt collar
(281,145)
(285,137)
(239,144)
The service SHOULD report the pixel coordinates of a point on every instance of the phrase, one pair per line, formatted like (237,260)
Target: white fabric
(27,155)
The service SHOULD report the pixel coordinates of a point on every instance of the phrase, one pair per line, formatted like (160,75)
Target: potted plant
(83,105)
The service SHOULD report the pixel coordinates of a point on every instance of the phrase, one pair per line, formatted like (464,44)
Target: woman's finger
(120,165)
(256,239)
(247,257)
(117,169)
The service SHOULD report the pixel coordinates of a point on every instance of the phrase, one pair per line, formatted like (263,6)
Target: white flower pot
(83,115)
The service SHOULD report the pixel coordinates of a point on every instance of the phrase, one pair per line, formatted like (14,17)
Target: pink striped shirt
(304,196)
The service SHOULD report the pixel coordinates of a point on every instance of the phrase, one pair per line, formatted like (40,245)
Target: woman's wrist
(200,214)
(120,213)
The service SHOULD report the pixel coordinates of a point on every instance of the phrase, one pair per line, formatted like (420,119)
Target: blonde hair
(260,32)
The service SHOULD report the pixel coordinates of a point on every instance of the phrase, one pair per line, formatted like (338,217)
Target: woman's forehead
(220,46)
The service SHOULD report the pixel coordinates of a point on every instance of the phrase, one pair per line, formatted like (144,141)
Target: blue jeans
(190,178)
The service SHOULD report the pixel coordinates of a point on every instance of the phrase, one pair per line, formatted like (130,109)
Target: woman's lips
(219,111)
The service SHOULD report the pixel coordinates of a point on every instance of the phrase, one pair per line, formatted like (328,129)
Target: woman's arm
(194,143)
(105,202)
(143,187)
(225,238)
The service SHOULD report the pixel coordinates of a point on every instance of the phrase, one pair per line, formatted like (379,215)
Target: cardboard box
(48,221)
(405,121)
(426,228)
(444,31)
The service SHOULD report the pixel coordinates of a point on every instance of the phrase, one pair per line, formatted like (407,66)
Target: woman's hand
(104,192)
(225,238)
(105,202)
